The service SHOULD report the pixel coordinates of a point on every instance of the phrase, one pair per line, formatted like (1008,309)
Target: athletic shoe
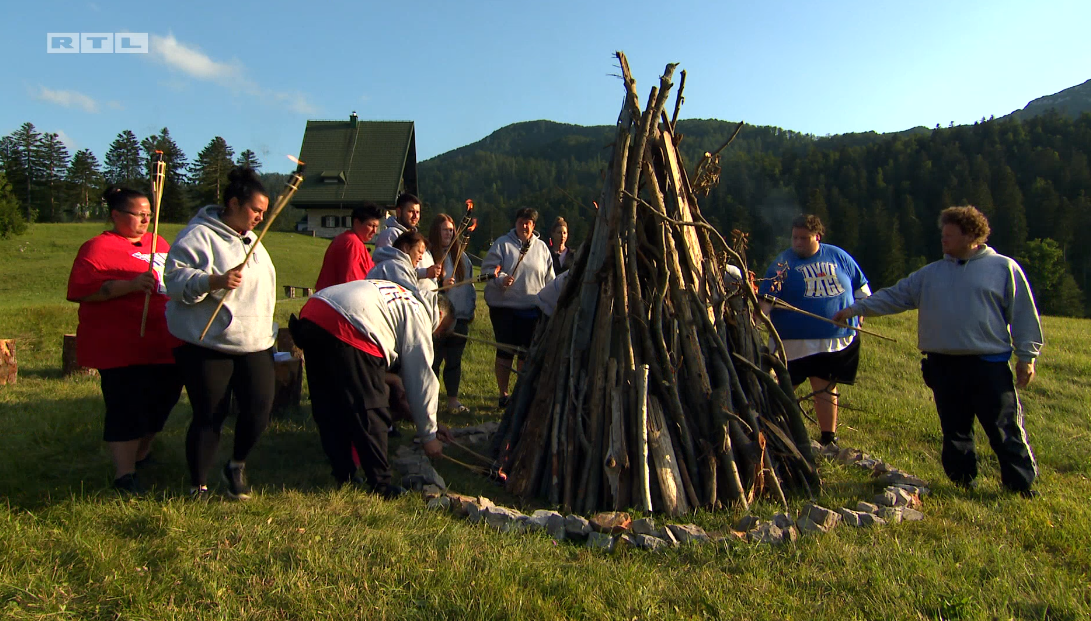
(128,485)
(459,410)
(504,400)
(235,477)
(199,493)
(1029,494)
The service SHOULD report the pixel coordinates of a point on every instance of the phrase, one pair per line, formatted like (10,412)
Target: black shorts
(836,366)
(138,399)
(513,326)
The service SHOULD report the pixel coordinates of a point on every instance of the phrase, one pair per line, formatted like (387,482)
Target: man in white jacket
(351,334)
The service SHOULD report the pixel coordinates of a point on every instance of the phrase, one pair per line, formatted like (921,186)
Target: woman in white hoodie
(236,356)
(512,296)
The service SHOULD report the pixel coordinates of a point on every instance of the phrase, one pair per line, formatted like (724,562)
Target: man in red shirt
(347,258)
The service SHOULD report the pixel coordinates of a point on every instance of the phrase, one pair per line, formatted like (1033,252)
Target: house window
(346,221)
(330,222)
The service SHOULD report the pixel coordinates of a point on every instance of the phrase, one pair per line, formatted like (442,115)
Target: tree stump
(9,369)
(69,366)
(286,344)
(288,384)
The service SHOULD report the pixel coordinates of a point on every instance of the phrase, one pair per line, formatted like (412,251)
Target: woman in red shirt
(110,279)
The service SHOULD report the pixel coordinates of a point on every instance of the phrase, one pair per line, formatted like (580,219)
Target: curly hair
(810,222)
(968,220)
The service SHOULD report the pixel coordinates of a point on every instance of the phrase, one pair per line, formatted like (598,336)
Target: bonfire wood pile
(649,387)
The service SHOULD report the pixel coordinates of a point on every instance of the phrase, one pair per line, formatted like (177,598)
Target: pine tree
(85,183)
(1009,226)
(25,141)
(53,155)
(248,159)
(210,170)
(11,220)
(124,163)
(174,200)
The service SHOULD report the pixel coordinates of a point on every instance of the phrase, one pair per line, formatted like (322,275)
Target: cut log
(9,366)
(69,366)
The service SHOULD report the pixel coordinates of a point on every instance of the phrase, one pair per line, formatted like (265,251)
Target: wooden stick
(487,460)
(522,255)
(158,183)
(468,281)
(514,348)
(642,437)
(282,202)
(779,303)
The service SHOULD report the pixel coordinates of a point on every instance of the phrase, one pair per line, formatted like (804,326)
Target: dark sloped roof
(373,156)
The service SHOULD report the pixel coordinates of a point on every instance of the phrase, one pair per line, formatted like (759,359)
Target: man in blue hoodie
(976,308)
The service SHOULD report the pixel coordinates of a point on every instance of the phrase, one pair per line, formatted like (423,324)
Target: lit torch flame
(496,272)
(299,164)
(473,225)
(469,204)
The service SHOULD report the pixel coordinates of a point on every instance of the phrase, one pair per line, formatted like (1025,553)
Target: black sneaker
(828,438)
(1029,494)
(503,400)
(199,493)
(235,477)
(128,485)
(391,491)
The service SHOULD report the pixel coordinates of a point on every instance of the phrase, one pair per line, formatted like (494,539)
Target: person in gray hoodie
(407,215)
(975,310)
(526,265)
(449,349)
(395,263)
(204,265)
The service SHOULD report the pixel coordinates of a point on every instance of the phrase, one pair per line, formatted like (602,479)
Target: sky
(254,73)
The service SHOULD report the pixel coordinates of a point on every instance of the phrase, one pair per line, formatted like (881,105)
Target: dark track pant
(448,353)
(966,387)
(349,402)
(210,378)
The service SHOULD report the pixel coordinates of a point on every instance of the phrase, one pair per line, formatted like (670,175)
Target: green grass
(71,549)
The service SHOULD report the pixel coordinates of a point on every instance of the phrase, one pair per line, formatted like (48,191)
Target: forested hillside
(879,194)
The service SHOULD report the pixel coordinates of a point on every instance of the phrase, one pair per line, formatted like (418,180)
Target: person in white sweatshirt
(526,265)
(395,263)
(351,334)
(205,265)
(975,310)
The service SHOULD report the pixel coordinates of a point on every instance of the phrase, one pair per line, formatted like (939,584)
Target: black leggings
(211,377)
(449,350)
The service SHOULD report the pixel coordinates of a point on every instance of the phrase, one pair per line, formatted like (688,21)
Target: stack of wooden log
(650,386)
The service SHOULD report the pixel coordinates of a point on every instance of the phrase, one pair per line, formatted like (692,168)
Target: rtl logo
(96,43)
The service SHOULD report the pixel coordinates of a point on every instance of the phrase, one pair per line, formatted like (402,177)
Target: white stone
(688,533)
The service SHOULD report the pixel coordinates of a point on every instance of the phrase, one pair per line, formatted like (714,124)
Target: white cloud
(67,140)
(196,64)
(68,99)
(191,61)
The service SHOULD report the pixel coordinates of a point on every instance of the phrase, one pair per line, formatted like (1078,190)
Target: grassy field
(69,548)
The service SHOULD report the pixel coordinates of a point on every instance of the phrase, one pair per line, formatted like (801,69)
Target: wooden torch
(282,201)
(159,178)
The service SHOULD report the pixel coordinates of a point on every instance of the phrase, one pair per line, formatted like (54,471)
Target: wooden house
(350,163)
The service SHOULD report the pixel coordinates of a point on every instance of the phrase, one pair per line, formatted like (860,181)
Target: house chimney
(353,118)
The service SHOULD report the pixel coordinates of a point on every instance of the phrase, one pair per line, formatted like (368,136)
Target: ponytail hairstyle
(118,198)
(242,184)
